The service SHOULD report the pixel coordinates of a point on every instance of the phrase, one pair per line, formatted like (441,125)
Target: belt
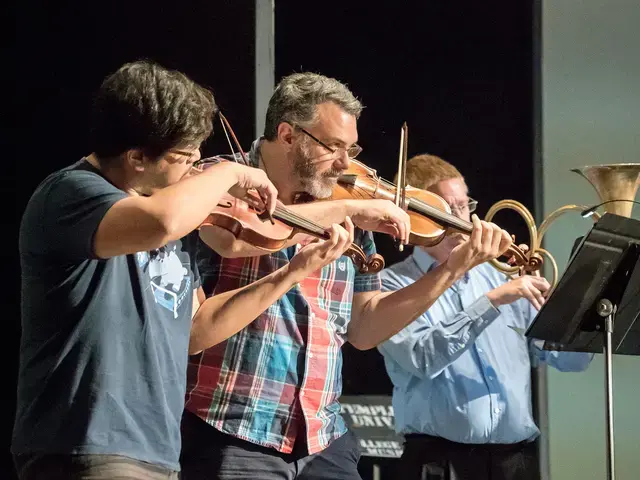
(418,438)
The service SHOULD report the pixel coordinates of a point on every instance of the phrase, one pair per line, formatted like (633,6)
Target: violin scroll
(373,264)
(527,262)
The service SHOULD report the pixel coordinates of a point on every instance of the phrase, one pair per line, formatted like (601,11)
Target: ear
(285,134)
(135,159)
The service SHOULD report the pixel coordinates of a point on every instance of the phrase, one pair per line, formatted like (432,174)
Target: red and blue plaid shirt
(280,377)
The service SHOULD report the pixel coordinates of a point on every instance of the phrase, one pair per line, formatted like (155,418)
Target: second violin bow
(401,184)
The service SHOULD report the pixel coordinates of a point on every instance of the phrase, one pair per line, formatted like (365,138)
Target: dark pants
(208,454)
(433,458)
(87,467)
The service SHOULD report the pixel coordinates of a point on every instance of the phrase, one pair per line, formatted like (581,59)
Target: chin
(323,195)
(327,187)
(320,191)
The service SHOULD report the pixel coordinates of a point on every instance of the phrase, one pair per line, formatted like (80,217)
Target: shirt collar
(426,262)
(254,153)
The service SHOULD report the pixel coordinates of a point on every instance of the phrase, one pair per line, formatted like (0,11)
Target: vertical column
(264,60)
(540,390)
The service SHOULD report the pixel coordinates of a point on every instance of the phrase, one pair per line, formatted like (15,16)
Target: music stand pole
(607,310)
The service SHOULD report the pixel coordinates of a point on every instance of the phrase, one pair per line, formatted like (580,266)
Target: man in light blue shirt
(461,371)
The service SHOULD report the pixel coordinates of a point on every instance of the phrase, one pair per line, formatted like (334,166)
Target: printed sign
(370,418)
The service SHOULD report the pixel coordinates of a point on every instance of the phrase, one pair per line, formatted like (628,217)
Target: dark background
(459,73)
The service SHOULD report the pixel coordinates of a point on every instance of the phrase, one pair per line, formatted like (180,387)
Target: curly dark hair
(144,105)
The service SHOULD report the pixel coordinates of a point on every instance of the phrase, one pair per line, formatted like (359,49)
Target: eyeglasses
(185,153)
(471,205)
(353,151)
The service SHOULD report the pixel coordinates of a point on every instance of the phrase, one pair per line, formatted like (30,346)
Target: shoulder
(51,202)
(215,159)
(67,183)
(78,179)
(399,274)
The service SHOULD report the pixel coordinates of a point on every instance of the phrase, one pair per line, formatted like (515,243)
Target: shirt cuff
(482,312)
(367,283)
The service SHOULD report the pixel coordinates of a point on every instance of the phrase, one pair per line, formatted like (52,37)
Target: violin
(430,215)
(270,233)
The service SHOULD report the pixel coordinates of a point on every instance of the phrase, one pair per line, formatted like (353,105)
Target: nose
(342,162)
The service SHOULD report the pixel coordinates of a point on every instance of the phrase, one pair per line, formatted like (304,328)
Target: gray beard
(319,187)
(305,174)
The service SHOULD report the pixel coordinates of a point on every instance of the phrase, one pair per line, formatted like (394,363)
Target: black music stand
(596,303)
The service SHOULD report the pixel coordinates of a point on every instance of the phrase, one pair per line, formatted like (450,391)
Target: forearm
(387,313)
(225,314)
(563,361)
(182,207)
(324,212)
(426,347)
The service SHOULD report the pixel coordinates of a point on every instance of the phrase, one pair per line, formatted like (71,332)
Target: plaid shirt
(278,380)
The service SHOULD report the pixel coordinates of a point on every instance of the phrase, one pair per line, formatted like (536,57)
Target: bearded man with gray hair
(264,403)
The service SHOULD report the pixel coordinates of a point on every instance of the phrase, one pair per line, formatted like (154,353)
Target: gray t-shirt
(104,344)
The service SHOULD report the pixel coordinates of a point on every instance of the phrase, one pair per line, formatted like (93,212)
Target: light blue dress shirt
(459,371)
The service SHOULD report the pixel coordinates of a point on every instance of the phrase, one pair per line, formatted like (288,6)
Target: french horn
(616,185)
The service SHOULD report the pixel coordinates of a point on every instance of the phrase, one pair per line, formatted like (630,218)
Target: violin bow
(225,124)
(401,184)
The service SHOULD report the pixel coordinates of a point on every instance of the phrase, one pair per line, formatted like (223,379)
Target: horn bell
(616,181)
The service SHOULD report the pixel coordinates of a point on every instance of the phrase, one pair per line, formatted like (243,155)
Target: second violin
(430,214)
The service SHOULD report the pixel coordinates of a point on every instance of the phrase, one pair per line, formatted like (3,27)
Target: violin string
(426,209)
(430,210)
(305,223)
(438,214)
(454,221)
(434,211)
(356,189)
(299,221)
(421,207)
(306,228)
(387,183)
